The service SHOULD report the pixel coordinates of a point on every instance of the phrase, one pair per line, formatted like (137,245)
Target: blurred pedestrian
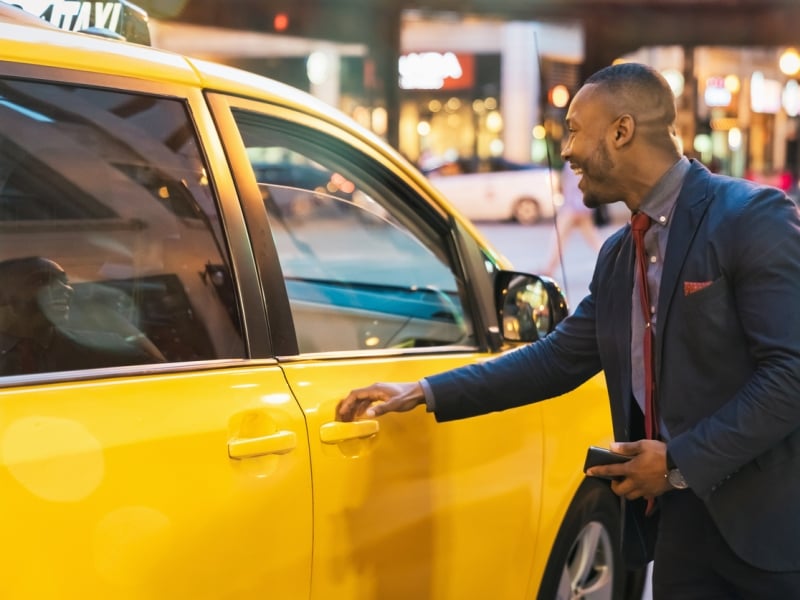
(691,316)
(572,215)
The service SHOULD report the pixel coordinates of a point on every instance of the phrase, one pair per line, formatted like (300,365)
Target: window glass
(111,250)
(363,268)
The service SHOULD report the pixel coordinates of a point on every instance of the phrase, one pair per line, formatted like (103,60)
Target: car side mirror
(528,306)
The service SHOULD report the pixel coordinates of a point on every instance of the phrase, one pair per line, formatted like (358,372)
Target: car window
(111,248)
(363,269)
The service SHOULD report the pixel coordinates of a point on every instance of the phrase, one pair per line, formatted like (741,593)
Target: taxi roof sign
(111,18)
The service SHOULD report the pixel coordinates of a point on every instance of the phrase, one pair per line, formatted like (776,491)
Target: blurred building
(479,88)
(472,87)
(738,111)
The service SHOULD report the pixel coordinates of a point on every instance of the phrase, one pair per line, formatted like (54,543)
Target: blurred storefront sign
(437,71)
(717,94)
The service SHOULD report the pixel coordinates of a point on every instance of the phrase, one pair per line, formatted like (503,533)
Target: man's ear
(624,127)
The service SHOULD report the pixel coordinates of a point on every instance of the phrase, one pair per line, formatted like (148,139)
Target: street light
(789,62)
(675,80)
(559,95)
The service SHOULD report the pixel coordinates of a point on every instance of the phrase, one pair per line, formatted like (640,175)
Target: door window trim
(288,121)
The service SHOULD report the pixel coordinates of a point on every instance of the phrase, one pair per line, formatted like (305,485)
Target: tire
(586,560)
(526,211)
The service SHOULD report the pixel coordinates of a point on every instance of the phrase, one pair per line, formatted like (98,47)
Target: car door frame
(470,257)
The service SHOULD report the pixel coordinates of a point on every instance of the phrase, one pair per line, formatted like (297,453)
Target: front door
(379,289)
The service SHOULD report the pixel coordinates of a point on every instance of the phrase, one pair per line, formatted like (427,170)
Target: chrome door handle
(279,442)
(339,431)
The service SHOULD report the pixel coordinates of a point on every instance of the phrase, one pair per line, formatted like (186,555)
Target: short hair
(29,270)
(637,86)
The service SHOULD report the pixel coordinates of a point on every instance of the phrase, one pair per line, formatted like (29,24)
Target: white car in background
(499,190)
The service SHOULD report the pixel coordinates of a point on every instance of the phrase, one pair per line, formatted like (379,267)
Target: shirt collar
(659,203)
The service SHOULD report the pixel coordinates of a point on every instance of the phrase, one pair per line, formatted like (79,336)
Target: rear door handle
(339,431)
(280,442)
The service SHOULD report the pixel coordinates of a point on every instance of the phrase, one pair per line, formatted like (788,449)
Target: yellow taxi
(174,339)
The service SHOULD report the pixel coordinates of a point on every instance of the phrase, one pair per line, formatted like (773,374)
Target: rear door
(142,453)
(377,288)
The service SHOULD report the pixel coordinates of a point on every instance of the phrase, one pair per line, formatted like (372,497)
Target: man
(723,276)
(37,333)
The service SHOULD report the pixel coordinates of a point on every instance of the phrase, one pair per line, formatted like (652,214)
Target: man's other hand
(379,398)
(643,476)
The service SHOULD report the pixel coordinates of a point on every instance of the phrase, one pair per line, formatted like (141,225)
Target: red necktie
(640,223)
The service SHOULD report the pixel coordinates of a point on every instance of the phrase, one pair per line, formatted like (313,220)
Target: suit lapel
(690,207)
(620,298)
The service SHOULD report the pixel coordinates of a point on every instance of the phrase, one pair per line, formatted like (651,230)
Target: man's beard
(596,169)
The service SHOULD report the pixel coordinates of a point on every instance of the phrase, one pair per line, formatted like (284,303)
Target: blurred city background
(475,80)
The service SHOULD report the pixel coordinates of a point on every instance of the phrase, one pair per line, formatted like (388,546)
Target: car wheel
(586,561)
(526,211)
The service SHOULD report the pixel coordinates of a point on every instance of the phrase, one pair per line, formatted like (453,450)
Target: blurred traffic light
(559,95)
(280,22)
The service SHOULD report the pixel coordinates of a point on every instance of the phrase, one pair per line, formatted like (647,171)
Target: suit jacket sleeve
(544,369)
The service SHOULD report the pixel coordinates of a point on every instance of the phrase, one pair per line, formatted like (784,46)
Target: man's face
(48,295)
(587,149)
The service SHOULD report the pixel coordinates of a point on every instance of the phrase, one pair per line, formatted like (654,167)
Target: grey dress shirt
(658,205)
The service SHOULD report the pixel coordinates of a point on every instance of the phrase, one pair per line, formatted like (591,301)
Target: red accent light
(280,22)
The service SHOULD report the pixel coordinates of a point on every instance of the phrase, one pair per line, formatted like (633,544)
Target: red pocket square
(690,287)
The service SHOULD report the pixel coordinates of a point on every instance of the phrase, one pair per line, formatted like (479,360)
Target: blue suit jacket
(727,356)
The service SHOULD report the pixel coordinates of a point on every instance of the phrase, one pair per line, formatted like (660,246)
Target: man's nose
(62,288)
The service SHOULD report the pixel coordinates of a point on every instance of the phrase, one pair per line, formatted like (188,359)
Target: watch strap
(670,462)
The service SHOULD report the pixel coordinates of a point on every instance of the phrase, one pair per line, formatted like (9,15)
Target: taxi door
(154,458)
(405,507)
(408,508)
(372,282)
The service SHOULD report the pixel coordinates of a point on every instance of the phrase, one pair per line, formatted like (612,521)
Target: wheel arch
(593,503)
(520,201)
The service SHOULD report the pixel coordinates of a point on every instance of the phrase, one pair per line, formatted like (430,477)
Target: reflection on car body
(302,176)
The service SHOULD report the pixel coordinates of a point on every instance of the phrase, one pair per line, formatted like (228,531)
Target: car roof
(27,39)
(42,44)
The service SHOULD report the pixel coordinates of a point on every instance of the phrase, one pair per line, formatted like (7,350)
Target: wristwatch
(676,480)
(674,476)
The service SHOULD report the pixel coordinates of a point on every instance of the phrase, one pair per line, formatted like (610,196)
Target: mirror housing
(528,306)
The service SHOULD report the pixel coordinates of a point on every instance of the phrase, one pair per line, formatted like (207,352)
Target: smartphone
(603,456)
